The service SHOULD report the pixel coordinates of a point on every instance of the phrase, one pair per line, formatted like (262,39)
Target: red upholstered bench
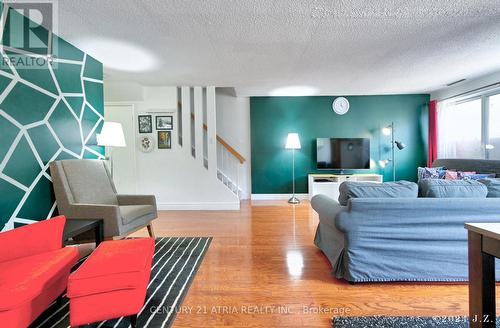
(34,270)
(112,282)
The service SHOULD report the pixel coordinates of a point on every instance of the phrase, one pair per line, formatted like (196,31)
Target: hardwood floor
(263,270)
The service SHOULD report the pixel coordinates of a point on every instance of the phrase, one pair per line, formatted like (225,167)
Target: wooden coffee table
(484,246)
(75,227)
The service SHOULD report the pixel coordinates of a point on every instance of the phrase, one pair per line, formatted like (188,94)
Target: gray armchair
(85,190)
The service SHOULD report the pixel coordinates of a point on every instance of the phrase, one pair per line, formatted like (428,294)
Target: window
(459,130)
(470,128)
(493,144)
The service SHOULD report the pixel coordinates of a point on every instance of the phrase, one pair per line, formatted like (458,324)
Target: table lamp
(111,136)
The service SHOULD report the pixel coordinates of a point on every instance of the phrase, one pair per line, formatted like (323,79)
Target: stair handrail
(228,147)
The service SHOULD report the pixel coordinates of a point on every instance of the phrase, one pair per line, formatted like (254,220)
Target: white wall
(233,125)
(123,92)
(466,86)
(177,179)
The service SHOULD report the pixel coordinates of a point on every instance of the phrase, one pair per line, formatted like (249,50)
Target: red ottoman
(112,282)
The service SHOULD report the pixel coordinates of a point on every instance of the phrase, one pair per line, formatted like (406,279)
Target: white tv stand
(328,184)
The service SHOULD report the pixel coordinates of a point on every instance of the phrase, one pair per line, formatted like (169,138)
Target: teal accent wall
(47,113)
(272,118)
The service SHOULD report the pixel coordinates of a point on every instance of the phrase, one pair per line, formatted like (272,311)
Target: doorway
(124,158)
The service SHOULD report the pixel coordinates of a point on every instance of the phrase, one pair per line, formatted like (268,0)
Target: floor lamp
(111,136)
(293,142)
(389,130)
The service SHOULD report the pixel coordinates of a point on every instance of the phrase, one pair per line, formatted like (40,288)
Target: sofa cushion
(25,278)
(398,189)
(493,186)
(131,213)
(89,182)
(114,265)
(436,188)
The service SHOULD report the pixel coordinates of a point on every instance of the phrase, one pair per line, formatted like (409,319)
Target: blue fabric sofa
(402,239)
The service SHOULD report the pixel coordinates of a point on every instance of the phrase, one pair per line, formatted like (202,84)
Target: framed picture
(146,143)
(145,124)
(164,122)
(164,139)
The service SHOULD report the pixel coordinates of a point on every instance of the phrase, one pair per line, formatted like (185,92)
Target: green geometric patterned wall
(46,114)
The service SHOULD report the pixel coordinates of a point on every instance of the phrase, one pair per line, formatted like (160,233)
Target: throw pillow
(451,175)
(399,189)
(493,186)
(481,176)
(431,172)
(459,175)
(435,188)
(465,175)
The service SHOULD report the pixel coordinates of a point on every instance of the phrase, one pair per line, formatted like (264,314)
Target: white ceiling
(342,47)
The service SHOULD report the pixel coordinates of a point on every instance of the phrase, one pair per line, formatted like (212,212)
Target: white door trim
(134,138)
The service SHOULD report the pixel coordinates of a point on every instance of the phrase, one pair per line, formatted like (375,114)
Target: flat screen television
(342,153)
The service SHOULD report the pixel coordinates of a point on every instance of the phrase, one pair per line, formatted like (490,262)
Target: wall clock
(340,105)
(146,143)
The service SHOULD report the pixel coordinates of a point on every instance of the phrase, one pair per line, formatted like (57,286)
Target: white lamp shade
(111,135)
(292,141)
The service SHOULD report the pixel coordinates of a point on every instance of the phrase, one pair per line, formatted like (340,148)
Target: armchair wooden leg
(150,230)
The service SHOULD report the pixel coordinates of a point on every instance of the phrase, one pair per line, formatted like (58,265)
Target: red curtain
(433,133)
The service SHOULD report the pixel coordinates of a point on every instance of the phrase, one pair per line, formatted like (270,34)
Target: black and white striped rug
(398,322)
(175,262)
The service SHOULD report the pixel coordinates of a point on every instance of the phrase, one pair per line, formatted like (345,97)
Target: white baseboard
(199,206)
(278,196)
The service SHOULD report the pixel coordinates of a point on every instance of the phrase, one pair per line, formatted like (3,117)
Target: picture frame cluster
(164,125)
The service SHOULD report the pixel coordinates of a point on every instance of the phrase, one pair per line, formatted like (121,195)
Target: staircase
(197,134)
(229,167)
